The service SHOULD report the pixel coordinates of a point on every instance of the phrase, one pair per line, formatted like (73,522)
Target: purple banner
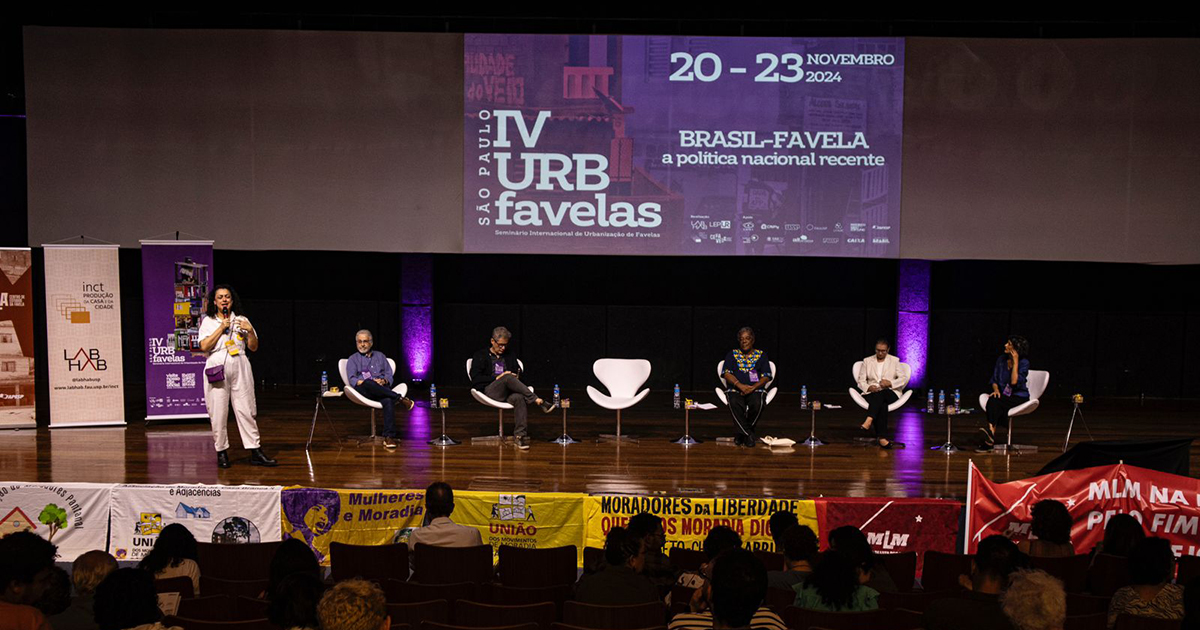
(176,279)
(604,144)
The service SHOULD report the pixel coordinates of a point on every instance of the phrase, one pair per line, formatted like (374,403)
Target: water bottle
(556,393)
(929,402)
(804,396)
(676,402)
(433,396)
(324,382)
(957,401)
(941,401)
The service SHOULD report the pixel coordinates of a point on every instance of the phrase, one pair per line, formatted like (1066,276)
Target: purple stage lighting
(416,313)
(912,317)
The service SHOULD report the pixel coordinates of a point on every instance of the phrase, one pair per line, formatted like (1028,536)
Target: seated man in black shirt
(498,376)
(996,558)
(747,372)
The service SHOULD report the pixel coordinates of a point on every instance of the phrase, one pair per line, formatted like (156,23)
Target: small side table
(813,441)
(565,438)
(320,406)
(687,439)
(444,440)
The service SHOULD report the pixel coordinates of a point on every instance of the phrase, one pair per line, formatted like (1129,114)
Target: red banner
(895,525)
(1168,506)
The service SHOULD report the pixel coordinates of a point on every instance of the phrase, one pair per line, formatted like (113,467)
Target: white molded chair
(622,378)
(771,391)
(357,398)
(1037,380)
(499,405)
(862,402)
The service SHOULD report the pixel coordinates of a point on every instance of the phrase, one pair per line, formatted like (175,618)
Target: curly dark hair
(1020,344)
(620,547)
(174,545)
(1151,561)
(235,305)
(719,539)
(1051,522)
(1121,534)
(850,540)
(835,578)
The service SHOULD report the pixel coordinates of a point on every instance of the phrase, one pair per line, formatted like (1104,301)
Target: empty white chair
(357,398)
(862,402)
(499,405)
(771,391)
(1037,380)
(622,378)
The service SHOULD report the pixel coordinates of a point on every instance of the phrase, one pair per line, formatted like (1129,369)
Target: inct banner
(219,514)
(176,279)
(83,335)
(16,339)
(676,145)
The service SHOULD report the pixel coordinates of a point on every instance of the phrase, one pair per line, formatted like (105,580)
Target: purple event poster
(605,144)
(176,278)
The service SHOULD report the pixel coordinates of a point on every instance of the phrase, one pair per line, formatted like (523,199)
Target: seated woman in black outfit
(1009,388)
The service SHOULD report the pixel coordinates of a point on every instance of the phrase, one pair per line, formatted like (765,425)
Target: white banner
(83,335)
(225,514)
(73,516)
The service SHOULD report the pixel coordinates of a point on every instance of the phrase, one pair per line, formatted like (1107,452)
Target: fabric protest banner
(16,339)
(176,279)
(73,516)
(1167,505)
(895,525)
(688,520)
(83,335)
(531,520)
(220,514)
(319,516)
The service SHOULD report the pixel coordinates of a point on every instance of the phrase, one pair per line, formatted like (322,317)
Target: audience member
(438,529)
(995,560)
(799,545)
(780,522)
(173,555)
(293,556)
(718,540)
(354,605)
(1051,529)
(620,582)
(126,600)
(1035,600)
(294,602)
(837,584)
(57,596)
(87,572)
(657,566)
(1150,592)
(736,579)
(1191,605)
(26,561)
(850,540)
(1120,534)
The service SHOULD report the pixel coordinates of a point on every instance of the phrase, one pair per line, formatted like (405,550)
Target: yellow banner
(319,516)
(688,520)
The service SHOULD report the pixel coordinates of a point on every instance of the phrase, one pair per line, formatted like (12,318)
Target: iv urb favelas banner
(176,280)
(16,339)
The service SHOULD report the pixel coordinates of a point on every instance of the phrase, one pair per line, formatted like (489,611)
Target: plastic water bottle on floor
(957,401)
(804,396)
(929,402)
(324,382)
(433,396)
(556,393)
(676,402)
(941,401)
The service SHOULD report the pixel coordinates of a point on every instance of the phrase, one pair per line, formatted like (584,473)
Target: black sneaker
(548,406)
(522,442)
(989,438)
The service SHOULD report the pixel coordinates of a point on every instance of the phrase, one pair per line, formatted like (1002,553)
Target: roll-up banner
(16,339)
(83,335)
(218,514)
(176,279)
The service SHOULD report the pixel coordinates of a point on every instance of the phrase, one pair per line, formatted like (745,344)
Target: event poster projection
(682,145)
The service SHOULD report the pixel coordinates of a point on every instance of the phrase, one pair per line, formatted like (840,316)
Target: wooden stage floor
(181,452)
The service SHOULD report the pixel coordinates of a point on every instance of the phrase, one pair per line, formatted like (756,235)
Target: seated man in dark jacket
(498,376)
(620,582)
(996,558)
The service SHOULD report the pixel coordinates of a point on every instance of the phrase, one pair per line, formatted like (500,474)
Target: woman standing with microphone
(225,335)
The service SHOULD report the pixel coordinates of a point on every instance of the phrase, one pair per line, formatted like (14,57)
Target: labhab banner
(219,514)
(687,520)
(73,516)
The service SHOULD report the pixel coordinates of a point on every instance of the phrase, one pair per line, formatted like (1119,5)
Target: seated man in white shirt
(439,530)
(881,381)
